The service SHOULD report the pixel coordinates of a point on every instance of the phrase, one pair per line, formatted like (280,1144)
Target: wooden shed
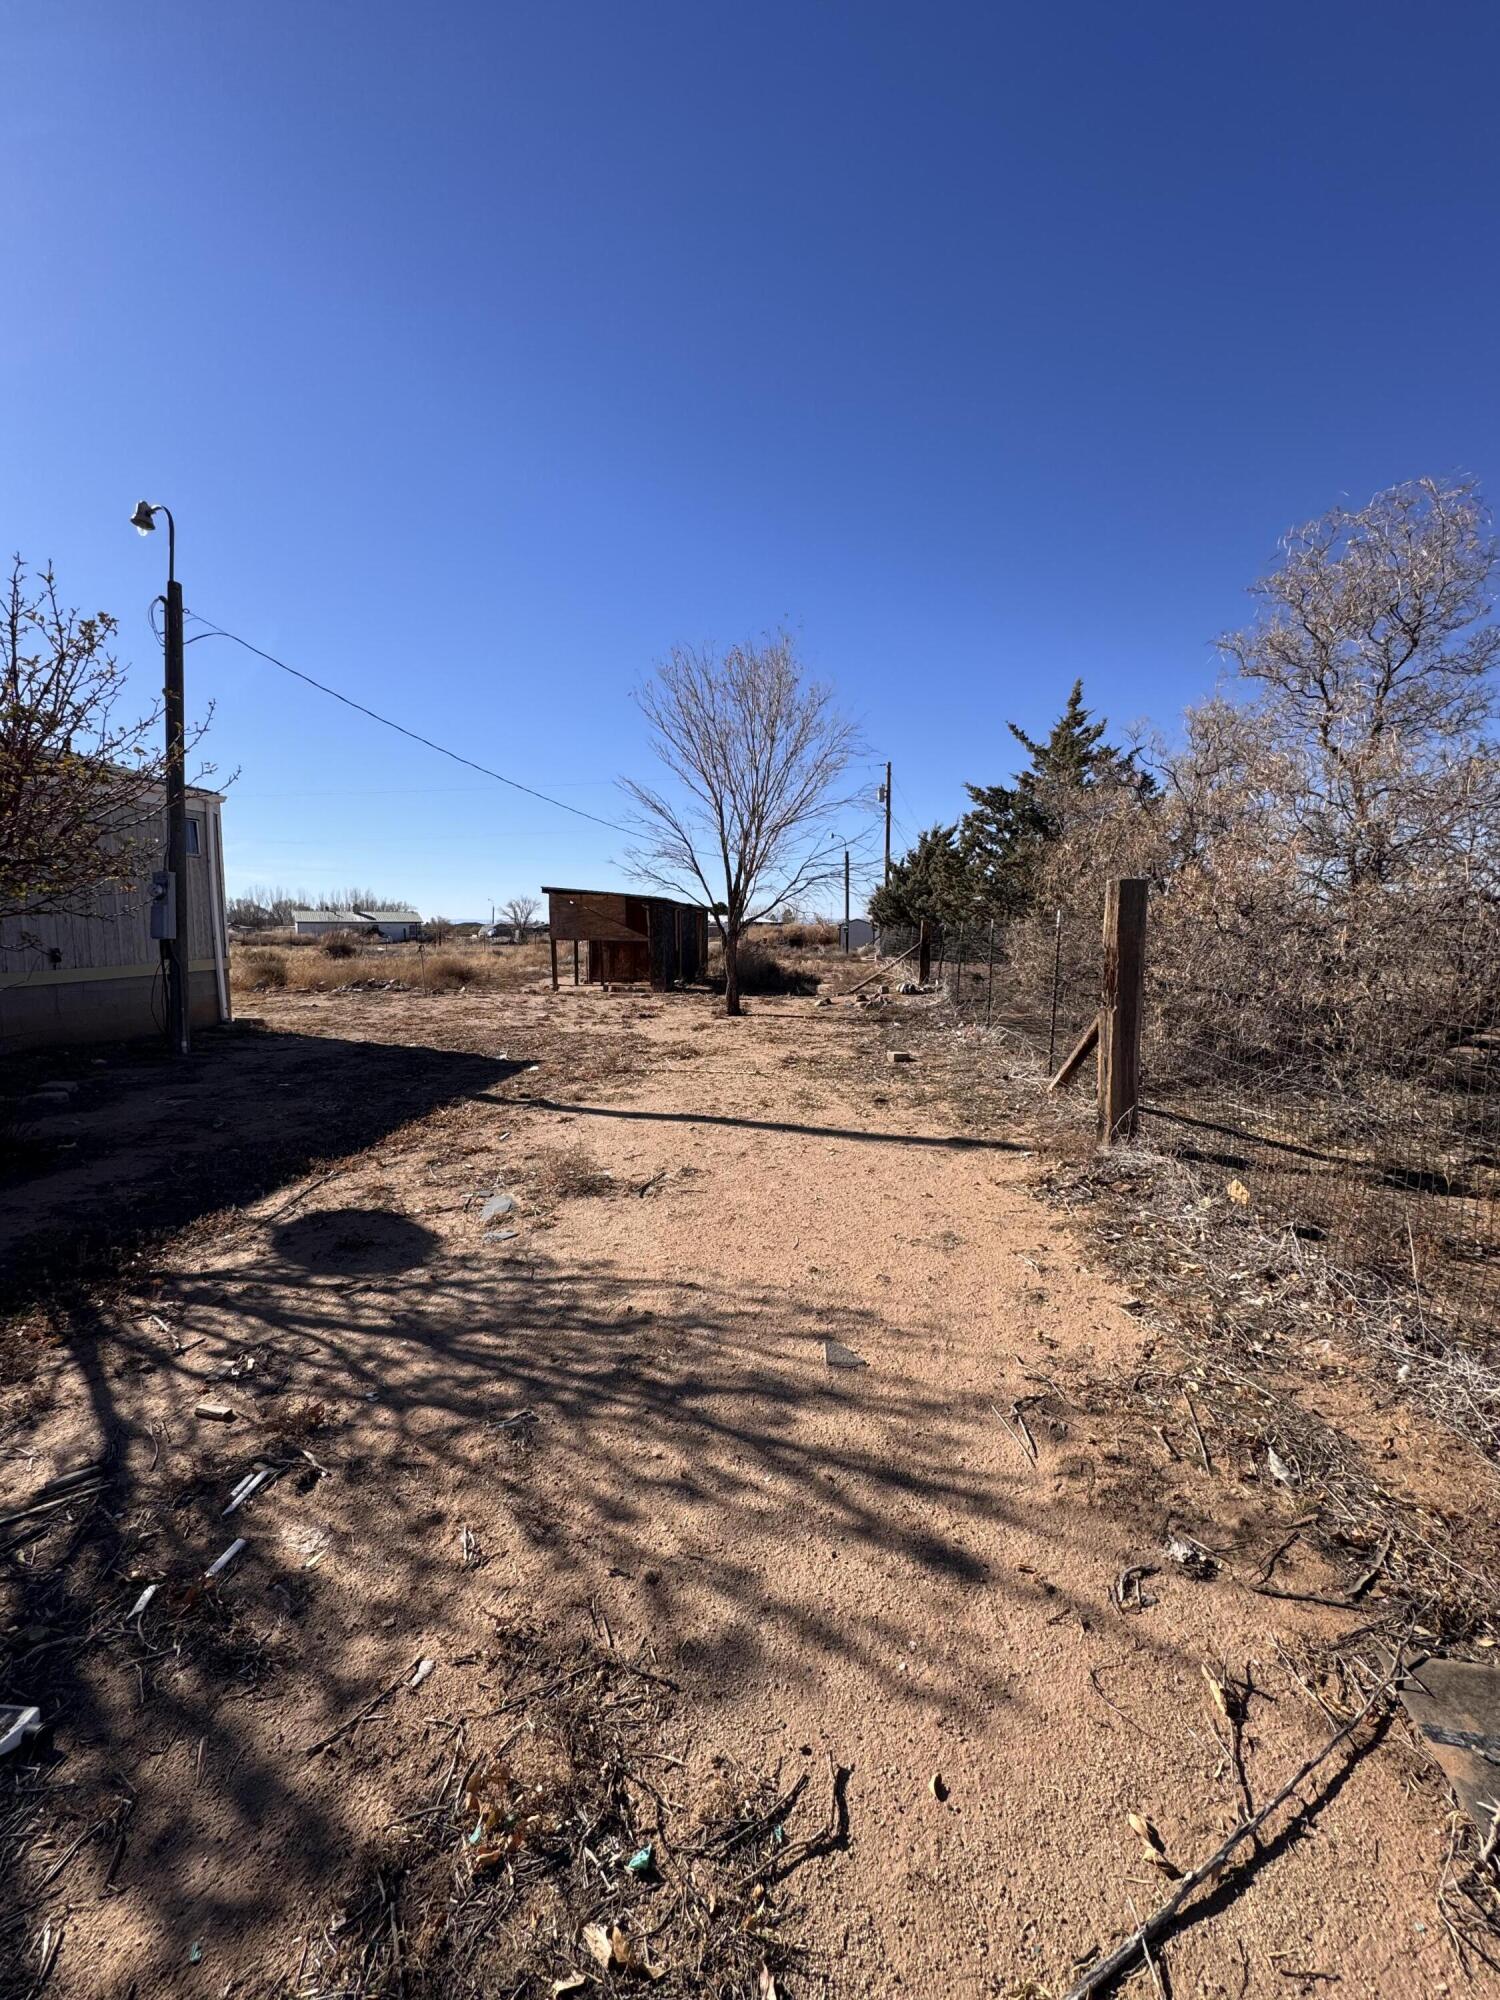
(629,938)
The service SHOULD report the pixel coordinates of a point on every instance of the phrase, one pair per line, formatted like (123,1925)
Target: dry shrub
(263,971)
(567,1173)
(761,971)
(808,937)
(452,971)
(341,944)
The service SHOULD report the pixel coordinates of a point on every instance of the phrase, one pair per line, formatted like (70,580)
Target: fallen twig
(1017,1430)
(1197,1429)
(402,1680)
(1138,1944)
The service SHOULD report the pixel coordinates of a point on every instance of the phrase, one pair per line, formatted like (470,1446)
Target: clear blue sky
(484,351)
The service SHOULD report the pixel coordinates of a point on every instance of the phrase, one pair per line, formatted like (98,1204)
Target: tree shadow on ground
(585,1429)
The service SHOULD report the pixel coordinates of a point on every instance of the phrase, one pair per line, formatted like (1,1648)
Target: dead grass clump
(568,1173)
(261,971)
(452,971)
(340,944)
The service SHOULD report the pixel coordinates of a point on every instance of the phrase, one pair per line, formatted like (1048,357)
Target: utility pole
(846,900)
(886,795)
(175,947)
(172,926)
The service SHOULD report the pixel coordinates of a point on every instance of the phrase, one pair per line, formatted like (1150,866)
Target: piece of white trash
(16,1724)
(251,1483)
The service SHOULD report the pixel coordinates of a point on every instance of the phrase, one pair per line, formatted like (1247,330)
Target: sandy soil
(855,1565)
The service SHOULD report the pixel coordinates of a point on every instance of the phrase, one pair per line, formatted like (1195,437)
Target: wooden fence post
(1121,1008)
(924,953)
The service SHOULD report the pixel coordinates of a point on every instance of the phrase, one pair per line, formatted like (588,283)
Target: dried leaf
(1280,1471)
(938,1788)
(1238,1193)
(575,1982)
(1217,1693)
(1151,1847)
(627,1953)
(766,1984)
(597,1943)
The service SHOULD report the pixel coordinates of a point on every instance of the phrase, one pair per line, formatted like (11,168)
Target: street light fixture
(171,914)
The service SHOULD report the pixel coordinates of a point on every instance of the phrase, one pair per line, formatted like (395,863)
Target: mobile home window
(192,836)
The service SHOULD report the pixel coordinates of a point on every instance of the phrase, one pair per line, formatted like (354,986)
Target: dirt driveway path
(626,1409)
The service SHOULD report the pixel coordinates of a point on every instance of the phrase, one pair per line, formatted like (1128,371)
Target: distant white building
(395,926)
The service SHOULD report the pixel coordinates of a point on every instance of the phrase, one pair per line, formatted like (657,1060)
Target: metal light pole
(173,928)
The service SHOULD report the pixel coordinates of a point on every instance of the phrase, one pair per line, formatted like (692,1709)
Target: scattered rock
(838,1356)
(901,1056)
(498,1204)
(218,1413)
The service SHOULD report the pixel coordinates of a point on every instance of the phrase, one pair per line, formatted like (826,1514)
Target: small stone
(218,1413)
(902,1056)
(838,1356)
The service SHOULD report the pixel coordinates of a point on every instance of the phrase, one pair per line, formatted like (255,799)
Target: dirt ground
(606,1419)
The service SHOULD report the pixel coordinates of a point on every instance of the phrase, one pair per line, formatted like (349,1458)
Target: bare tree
(519,912)
(80,777)
(758,754)
(1373,660)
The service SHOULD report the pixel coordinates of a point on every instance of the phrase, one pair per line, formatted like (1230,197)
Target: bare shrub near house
(758,755)
(80,773)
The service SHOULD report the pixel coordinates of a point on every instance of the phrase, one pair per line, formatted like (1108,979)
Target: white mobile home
(96,976)
(395,926)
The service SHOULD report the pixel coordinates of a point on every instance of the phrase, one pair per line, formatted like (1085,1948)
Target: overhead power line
(218,632)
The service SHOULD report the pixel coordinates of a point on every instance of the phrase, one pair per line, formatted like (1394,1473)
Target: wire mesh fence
(1352,1095)
(1041,989)
(1343,1085)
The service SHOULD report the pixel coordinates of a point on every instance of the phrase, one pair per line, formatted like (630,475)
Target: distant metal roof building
(389,923)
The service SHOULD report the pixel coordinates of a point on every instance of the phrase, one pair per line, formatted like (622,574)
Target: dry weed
(567,1173)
